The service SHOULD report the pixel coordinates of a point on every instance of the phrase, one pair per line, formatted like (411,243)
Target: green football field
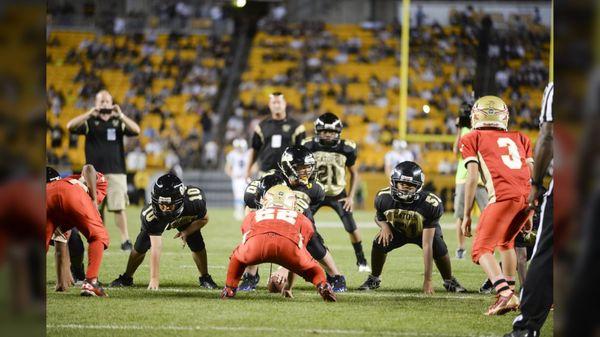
(182,308)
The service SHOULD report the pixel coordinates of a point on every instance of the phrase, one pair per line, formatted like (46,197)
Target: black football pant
(581,312)
(537,292)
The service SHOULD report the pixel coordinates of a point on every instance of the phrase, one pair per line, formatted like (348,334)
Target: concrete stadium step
(215,184)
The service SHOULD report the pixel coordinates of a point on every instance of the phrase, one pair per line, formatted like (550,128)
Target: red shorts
(499,224)
(274,248)
(69,206)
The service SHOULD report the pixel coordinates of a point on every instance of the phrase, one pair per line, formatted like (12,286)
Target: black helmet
(168,190)
(292,158)
(51,174)
(328,122)
(410,173)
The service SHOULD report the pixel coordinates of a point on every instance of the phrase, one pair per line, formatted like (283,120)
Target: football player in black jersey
(296,168)
(406,214)
(333,156)
(173,205)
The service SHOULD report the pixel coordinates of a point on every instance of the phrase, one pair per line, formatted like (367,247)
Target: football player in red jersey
(278,234)
(505,161)
(72,202)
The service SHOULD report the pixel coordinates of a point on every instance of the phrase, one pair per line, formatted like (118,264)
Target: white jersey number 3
(513,159)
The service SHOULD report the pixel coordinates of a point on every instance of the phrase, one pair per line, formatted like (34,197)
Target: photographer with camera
(104,127)
(463,125)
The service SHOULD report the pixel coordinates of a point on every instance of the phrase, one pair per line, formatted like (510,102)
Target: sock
(501,285)
(511,282)
(95,252)
(358,251)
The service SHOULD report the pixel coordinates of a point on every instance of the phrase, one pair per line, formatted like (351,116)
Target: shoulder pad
(307,140)
(351,144)
(384,191)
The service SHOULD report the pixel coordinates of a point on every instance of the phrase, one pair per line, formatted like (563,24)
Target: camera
(464,116)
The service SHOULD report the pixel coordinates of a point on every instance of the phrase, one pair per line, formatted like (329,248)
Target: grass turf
(182,308)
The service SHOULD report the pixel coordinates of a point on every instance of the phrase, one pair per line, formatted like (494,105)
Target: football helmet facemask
(409,173)
(297,164)
(167,197)
(51,174)
(329,123)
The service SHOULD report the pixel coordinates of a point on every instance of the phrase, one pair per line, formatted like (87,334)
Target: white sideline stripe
(240,328)
(344,294)
(370,224)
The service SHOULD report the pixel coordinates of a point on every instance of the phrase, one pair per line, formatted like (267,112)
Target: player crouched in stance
(406,214)
(73,202)
(277,233)
(296,168)
(174,205)
(504,159)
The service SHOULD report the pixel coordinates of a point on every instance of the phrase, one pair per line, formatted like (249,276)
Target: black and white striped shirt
(546,114)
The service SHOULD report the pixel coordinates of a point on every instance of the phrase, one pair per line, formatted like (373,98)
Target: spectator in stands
(104,127)
(399,153)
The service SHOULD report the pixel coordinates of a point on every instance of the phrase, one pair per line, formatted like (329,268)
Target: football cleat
(523,333)
(452,286)
(503,305)
(460,253)
(228,292)
(126,246)
(364,268)
(371,283)
(487,287)
(249,282)
(326,291)
(339,283)
(207,282)
(122,281)
(92,289)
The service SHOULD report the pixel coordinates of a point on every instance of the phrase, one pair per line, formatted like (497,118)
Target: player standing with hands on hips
(104,127)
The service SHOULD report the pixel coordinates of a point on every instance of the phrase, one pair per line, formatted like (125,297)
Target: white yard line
(241,329)
(368,224)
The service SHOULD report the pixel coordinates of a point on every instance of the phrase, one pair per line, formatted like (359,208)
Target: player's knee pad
(439,247)
(316,247)
(195,241)
(142,243)
(378,247)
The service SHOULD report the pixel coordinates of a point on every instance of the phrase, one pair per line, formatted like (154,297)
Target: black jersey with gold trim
(194,208)
(271,137)
(409,218)
(332,162)
(307,196)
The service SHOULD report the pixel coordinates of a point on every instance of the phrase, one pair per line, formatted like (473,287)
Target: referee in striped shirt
(537,292)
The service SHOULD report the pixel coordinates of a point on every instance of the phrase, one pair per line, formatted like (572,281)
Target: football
(274,286)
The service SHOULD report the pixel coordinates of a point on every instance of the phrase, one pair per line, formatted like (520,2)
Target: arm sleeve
(379,208)
(257,139)
(351,155)
(528,150)
(126,131)
(247,224)
(468,148)
(435,213)
(251,195)
(81,129)
(299,135)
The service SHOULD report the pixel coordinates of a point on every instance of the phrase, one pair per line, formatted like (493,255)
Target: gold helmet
(489,112)
(279,196)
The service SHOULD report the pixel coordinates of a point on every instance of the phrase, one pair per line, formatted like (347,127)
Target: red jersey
(101,184)
(287,223)
(502,157)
